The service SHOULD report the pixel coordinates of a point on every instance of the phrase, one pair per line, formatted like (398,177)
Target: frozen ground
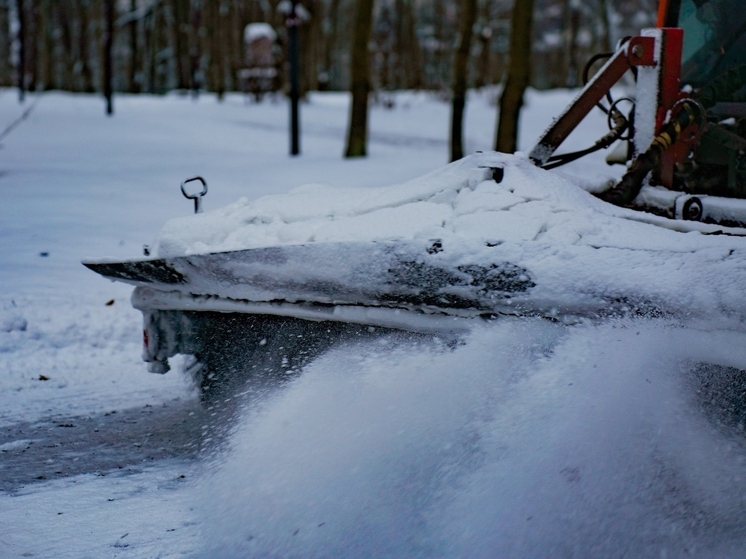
(528,439)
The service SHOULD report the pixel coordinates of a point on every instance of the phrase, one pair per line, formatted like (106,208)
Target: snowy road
(528,438)
(127,439)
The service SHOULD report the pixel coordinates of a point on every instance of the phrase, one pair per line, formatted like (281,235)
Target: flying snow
(531,439)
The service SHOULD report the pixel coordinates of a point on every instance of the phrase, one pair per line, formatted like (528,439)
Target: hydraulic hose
(690,112)
(620,125)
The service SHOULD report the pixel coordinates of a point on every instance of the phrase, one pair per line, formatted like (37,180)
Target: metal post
(109,8)
(194,52)
(21,50)
(292,22)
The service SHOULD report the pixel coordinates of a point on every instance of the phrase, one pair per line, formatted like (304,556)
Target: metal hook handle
(196,197)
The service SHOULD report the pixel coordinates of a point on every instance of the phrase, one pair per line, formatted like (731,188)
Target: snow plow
(686,138)
(276,281)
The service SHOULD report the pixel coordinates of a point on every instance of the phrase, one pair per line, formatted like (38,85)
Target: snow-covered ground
(78,185)
(529,439)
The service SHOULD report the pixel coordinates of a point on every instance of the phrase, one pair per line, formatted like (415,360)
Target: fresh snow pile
(584,255)
(458,201)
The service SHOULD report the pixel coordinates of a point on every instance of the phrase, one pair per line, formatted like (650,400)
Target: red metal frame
(668,13)
(658,50)
(662,9)
(638,51)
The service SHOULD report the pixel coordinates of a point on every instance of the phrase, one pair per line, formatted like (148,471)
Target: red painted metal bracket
(638,51)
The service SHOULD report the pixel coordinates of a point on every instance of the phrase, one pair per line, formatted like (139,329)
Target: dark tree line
(448,46)
(162,45)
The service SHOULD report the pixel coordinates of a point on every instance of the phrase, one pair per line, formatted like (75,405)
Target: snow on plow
(486,236)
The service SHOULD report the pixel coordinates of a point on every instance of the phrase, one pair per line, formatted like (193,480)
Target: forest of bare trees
(368,47)
(163,45)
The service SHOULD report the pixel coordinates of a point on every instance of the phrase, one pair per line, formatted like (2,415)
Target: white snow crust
(458,202)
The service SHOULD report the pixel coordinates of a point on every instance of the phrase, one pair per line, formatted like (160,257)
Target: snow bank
(57,358)
(121,514)
(461,201)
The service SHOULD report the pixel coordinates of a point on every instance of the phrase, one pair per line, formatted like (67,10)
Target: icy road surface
(526,438)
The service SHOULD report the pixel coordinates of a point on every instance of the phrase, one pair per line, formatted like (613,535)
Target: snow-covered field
(529,439)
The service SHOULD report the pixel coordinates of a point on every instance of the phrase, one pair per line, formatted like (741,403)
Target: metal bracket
(638,51)
(196,197)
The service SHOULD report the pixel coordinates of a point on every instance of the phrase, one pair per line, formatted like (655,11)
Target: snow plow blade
(387,274)
(377,282)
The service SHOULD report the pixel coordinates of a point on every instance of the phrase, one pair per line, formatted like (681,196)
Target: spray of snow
(529,440)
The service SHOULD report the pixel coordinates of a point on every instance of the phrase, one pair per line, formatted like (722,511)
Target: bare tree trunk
(357,133)
(22,42)
(571,47)
(230,31)
(133,64)
(183,31)
(151,50)
(407,47)
(519,72)
(175,19)
(603,14)
(483,62)
(442,51)
(234,43)
(45,47)
(67,63)
(332,39)
(31,58)
(309,36)
(194,46)
(215,67)
(460,76)
(294,61)
(108,65)
(5,71)
(86,76)
(484,37)
(221,50)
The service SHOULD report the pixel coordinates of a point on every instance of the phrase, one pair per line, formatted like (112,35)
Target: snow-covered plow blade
(420,286)
(405,284)
(486,236)
(411,275)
